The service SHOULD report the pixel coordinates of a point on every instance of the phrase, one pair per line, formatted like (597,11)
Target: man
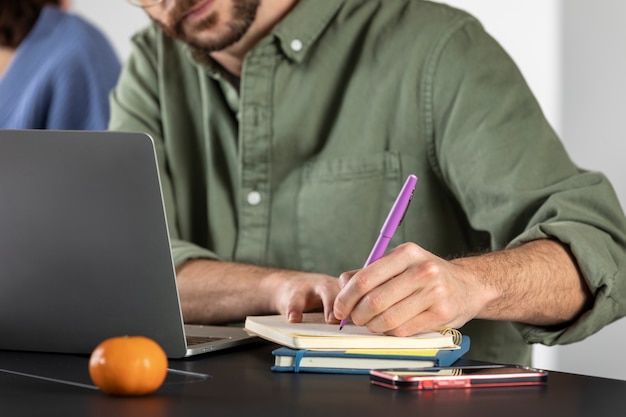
(285,128)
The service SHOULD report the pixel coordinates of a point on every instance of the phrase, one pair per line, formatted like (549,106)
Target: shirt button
(254,198)
(296,45)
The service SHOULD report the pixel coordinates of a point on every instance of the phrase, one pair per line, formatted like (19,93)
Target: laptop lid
(84,246)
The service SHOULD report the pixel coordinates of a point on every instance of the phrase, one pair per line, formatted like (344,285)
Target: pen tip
(343,323)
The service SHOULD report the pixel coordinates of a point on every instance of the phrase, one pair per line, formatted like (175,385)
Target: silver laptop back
(84,246)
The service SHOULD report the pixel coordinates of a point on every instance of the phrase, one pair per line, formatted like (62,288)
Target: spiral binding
(457,336)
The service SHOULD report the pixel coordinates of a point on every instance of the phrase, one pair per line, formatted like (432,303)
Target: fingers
(437,302)
(310,295)
(413,314)
(387,307)
(353,288)
(328,293)
(358,287)
(294,310)
(427,321)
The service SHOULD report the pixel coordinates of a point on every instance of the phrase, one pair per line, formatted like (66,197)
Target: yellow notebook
(314,333)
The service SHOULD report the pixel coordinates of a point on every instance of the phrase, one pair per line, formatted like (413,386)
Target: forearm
(221,292)
(537,283)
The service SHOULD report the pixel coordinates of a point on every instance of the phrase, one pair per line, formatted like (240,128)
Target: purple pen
(394,218)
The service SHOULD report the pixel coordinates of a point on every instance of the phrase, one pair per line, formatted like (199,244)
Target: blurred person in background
(56,69)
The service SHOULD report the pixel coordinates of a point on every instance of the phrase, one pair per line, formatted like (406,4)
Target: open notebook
(84,246)
(314,333)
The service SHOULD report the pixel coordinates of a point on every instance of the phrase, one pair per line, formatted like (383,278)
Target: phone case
(458,377)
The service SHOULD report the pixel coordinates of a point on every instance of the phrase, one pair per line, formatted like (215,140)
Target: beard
(243,15)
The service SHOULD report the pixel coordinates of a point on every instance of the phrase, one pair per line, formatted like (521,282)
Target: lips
(199,10)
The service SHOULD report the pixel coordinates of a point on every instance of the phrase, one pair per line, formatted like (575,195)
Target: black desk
(242,384)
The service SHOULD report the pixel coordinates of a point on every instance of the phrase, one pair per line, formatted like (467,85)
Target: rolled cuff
(595,253)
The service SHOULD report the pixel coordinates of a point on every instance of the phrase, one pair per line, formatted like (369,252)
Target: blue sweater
(60,76)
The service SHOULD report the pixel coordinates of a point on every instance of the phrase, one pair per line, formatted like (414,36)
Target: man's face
(209,25)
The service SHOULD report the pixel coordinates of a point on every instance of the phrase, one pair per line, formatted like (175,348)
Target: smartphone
(458,377)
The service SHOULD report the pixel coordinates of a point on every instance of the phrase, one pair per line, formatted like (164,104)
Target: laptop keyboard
(198,340)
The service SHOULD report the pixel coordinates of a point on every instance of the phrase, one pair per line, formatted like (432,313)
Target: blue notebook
(359,361)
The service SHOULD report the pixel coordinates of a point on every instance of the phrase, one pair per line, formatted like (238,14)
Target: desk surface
(242,384)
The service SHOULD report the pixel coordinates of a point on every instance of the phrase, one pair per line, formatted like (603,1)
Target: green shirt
(296,164)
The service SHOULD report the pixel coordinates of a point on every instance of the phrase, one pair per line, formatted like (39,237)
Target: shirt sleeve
(493,148)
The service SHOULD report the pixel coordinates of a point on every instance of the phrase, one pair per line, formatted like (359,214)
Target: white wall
(572,55)
(594,97)
(117,18)
(593,114)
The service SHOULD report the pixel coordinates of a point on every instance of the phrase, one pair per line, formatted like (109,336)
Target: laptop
(84,247)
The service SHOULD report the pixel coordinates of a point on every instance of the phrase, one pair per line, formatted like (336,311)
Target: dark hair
(17,17)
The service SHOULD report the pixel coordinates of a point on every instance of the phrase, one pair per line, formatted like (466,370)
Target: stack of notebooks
(314,346)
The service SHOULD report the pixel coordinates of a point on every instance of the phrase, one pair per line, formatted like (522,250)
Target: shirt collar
(303,25)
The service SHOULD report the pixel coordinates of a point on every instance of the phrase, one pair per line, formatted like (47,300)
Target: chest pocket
(341,207)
